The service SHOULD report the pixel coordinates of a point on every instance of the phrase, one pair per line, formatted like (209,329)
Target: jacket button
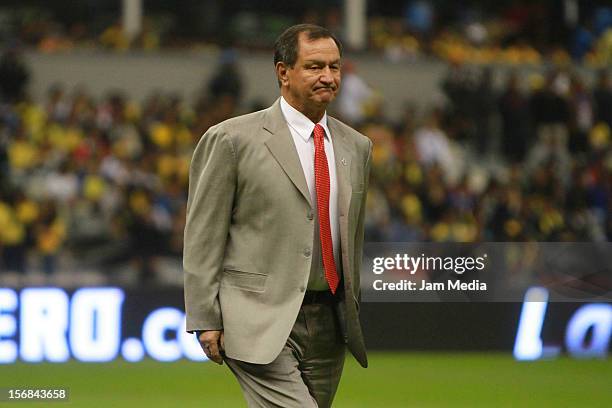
(309,215)
(307,252)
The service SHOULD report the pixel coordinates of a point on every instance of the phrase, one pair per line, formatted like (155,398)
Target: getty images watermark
(490,271)
(428,264)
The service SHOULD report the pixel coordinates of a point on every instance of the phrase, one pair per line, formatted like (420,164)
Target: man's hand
(212,342)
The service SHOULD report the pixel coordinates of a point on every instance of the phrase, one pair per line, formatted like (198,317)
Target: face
(314,80)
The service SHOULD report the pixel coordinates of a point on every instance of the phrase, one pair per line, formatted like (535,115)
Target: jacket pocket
(251,281)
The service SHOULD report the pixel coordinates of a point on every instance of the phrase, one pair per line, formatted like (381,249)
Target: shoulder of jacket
(237,129)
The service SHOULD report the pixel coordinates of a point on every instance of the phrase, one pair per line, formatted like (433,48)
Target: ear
(282,71)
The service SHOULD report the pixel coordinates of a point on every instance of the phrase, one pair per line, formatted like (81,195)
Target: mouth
(324,89)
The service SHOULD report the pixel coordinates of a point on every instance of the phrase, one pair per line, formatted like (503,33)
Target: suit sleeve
(361,222)
(212,181)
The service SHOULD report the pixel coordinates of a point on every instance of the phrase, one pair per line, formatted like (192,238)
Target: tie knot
(319,133)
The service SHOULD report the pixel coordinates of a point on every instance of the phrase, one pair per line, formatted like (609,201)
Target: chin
(325,99)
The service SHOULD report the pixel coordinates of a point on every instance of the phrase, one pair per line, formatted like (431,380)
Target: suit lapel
(281,145)
(343,173)
(342,156)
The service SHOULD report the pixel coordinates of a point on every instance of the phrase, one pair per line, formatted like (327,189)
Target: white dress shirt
(301,129)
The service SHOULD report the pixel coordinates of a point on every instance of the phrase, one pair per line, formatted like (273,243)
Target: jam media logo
(51,326)
(587,334)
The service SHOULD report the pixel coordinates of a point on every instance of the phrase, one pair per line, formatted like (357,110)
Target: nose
(326,76)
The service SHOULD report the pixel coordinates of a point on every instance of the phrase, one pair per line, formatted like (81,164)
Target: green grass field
(393,380)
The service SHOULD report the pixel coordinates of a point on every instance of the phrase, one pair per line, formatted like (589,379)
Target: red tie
(321,171)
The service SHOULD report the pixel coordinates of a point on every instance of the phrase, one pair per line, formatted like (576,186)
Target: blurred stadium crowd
(509,165)
(103,181)
(521,32)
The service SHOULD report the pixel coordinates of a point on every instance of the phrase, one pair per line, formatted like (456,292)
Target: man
(274,234)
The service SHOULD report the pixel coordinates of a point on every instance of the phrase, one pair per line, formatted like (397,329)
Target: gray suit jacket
(249,233)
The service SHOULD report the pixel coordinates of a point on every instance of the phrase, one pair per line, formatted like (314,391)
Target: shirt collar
(300,123)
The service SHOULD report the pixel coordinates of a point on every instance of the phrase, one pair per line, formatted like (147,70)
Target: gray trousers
(306,373)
